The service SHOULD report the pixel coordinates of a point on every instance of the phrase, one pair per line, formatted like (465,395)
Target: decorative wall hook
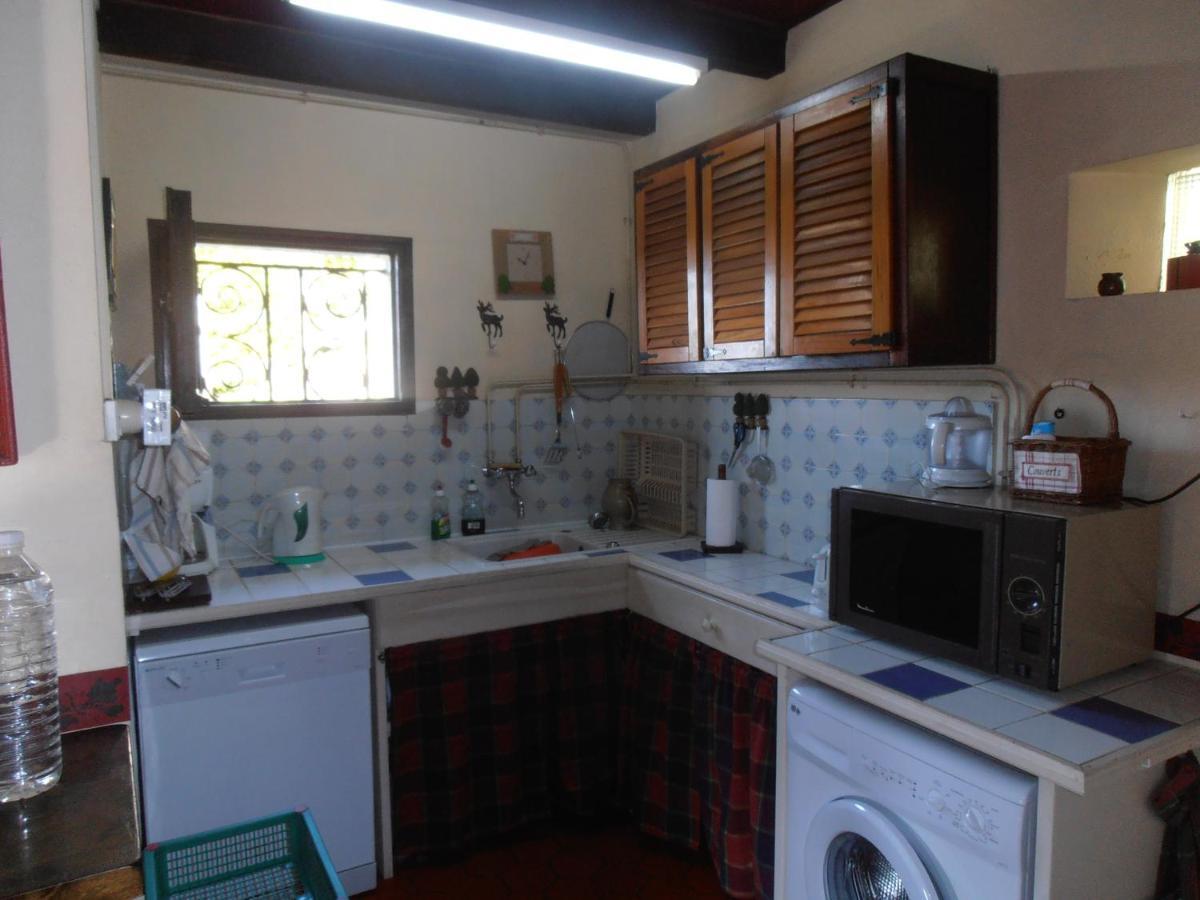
(556,324)
(491,322)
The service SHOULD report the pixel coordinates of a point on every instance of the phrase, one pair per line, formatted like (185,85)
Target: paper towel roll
(720,520)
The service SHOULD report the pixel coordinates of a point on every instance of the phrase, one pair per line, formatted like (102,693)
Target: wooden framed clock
(524,264)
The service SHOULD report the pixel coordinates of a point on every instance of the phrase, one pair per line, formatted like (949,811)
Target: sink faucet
(512,473)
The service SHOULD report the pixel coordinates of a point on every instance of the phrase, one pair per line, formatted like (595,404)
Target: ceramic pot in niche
(1111,284)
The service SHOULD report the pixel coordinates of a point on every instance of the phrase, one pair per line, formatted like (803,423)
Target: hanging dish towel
(160,532)
(1177,803)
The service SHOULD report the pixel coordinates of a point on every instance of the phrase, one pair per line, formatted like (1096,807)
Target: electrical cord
(1175,493)
(1163,499)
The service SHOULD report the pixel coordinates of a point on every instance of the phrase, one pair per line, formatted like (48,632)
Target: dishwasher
(238,720)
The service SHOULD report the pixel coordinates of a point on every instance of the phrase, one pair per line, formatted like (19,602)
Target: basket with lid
(1064,469)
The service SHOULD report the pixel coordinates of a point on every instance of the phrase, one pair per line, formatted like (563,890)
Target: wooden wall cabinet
(666,220)
(738,248)
(885,213)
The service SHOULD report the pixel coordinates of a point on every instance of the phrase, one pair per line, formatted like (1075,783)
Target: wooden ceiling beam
(728,39)
(415,69)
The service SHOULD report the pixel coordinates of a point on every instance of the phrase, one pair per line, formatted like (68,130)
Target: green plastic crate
(276,858)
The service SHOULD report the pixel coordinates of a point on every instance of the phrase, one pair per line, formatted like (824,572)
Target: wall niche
(1120,220)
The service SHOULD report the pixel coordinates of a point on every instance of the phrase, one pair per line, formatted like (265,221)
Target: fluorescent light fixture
(462,22)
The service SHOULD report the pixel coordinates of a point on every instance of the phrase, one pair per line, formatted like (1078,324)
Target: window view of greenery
(288,324)
(1183,215)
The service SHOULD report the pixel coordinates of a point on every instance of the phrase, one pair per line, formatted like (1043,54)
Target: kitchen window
(1183,215)
(285,322)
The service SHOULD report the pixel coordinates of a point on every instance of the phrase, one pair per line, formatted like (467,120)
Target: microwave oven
(1045,594)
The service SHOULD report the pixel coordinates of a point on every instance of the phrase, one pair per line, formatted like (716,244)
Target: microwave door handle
(937,444)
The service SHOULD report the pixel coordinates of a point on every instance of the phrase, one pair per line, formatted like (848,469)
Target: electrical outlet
(156,417)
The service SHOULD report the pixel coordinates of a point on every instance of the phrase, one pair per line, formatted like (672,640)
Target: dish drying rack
(663,471)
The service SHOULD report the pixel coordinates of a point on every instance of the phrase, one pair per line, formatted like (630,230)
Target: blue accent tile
(783,598)
(684,555)
(393,546)
(265,569)
(805,575)
(613,552)
(917,681)
(1114,719)
(376,578)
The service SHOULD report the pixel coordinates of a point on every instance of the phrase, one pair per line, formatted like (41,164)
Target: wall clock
(524,264)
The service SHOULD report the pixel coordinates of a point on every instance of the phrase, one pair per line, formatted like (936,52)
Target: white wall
(60,493)
(1081,84)
(267,160)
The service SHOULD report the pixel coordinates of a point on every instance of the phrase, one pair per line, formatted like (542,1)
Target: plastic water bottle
(30,743)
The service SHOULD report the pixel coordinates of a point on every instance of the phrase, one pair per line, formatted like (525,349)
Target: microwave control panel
(1029,603)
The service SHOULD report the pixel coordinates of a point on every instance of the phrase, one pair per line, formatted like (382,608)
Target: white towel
(160,532)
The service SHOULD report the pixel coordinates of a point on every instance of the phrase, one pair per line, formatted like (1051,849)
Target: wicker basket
(1082,470)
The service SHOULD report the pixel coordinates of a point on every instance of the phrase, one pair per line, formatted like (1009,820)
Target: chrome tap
(511,473)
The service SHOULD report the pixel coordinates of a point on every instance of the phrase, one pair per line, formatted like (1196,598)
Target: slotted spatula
(557,451)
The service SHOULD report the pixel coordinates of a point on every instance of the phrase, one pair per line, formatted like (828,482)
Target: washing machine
(880,809)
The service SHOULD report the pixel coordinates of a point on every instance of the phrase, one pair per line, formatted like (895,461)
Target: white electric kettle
(960,446)
(294,517)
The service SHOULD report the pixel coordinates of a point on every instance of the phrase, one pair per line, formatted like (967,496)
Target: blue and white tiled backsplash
(379,473)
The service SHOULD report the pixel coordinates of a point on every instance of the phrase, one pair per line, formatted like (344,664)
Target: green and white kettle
(294,517)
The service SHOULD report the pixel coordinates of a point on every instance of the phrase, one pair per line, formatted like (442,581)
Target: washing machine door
(855,851)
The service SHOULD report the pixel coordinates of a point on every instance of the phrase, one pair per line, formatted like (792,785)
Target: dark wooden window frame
(177,360)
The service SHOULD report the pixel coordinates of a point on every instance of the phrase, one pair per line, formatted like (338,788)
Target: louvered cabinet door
(740,209)
(836,225)
(666,236)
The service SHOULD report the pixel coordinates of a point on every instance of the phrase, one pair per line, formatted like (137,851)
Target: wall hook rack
(455,391)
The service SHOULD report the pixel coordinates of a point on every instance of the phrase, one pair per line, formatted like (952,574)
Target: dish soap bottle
(439,521)
(472,510)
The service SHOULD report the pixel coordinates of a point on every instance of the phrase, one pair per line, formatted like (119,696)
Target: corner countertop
(85,824)
(390,571)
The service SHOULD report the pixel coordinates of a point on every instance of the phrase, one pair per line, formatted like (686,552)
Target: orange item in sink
(549,548)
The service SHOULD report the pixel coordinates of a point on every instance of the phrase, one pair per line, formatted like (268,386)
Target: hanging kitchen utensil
(599,348)
(761,469)
(557,451)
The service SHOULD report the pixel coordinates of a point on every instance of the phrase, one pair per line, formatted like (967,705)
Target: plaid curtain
(582,716)
(492,731)
(698,752)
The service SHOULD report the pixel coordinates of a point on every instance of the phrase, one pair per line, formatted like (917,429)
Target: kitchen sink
(491,547)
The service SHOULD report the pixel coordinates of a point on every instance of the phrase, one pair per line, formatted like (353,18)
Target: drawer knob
(708,624)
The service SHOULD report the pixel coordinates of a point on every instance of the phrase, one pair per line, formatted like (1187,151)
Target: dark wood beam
(414,68)
(728,39)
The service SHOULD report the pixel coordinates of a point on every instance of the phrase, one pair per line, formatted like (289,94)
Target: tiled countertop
(1142,714)
(777,588)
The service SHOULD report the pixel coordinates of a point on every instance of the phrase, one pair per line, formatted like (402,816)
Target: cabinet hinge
(715,352)
(874,93)
(647,356)
(887,339)
(710,158)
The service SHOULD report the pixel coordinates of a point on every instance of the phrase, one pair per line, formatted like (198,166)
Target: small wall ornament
(524,264)
(556,324)
(491,322)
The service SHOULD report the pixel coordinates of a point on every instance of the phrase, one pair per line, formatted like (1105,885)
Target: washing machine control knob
(975,821)
(935,801)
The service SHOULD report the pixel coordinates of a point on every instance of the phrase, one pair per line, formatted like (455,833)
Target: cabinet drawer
(714,622)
